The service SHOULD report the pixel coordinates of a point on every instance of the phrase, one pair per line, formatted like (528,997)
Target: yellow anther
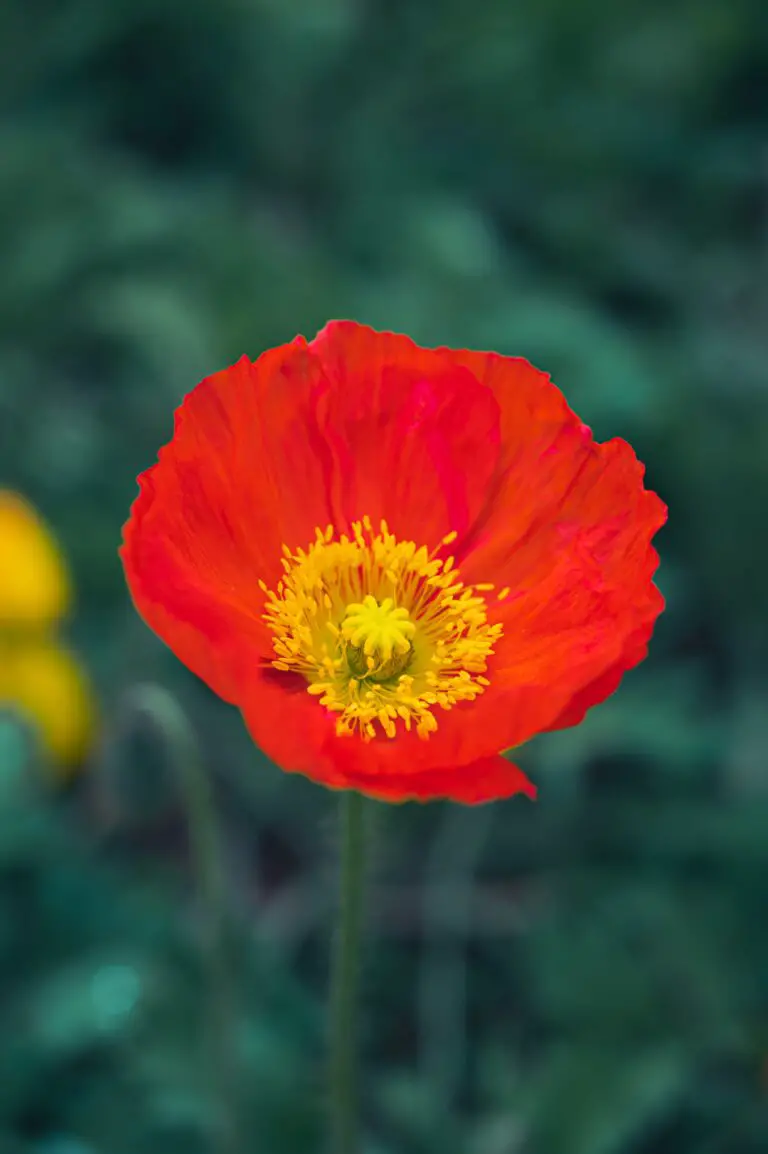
(382,630)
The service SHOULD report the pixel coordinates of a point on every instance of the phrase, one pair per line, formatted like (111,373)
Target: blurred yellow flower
(34,585)
(47,687)
(39,679)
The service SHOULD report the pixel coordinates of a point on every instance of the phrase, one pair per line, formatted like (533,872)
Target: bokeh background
(584,184)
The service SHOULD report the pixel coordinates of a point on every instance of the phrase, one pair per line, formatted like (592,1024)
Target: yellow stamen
(382,629)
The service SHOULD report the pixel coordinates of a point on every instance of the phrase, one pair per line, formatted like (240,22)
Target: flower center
(382,630)
(379,638)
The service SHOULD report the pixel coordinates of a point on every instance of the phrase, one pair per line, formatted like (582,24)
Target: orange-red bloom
(396,562)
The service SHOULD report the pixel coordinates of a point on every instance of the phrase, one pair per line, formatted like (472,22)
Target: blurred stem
(206,851)
(345,981)
(205,847)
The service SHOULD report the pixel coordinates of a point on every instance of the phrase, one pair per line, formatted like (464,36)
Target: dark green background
(582,183)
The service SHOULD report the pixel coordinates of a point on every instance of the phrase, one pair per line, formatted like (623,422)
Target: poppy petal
(582,602)
(213,513)
(415,437)
(487,779)
(635,651)
(299,735)
(543,447)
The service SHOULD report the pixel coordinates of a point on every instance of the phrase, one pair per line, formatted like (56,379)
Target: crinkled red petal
(299,735)
(414,436)
(487,779)
(568,529)
(240,476)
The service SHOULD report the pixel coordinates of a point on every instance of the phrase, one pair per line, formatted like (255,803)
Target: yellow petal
(34,585)
(47,686)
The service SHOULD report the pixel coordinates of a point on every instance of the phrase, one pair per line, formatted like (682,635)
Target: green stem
(205,843)
(207,858)
(345,981)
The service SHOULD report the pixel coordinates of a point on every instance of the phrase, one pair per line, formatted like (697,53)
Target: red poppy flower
(396,562)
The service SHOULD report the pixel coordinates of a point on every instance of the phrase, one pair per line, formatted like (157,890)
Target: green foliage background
(582,184)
